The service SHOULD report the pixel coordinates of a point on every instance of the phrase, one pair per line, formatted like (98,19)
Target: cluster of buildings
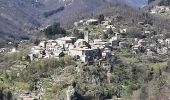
(7,50)
(2,50)
(79,48)
(88,50)
(86,22)
(159,9)
(163,46)
(160,46)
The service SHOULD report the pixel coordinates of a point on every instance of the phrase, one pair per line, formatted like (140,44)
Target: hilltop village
(89,49)
(72,59)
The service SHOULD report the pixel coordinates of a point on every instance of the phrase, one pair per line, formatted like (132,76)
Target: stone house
(84,53)
(138,49)
(115,40)
(142,42)
(92,22)
(159,9)
(161,41)
(123,30)
(149,52)
(124,45)
(107,52)
(66,41)
(110,26)
(37,51)
(105,23)
(43,44)
(79,23)
(162,50)
(82,43)
(51,46)
(54,54)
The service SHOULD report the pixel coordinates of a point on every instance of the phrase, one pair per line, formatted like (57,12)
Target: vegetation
(78,34)
(101,18)
(120,76)
(50,13)
(54,30)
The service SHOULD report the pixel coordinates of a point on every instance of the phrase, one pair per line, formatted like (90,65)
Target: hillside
(18,17)
(115,52)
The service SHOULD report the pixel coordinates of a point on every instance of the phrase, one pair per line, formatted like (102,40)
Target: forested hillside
(18,17)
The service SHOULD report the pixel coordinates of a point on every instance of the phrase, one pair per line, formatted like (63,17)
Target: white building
(159,9)
(51,46)
(110,26)
(37,51)
(149,52)
(123,30)
(142,42)
(66,41)
(106,52)
(105,23)
(79,23)
(161,41)
(167,41)
(43,44)
(162,50)
(92,22)
(81,43)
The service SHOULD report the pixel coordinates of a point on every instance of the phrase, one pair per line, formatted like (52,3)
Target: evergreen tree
(53,30)
(101,18)
(143,93)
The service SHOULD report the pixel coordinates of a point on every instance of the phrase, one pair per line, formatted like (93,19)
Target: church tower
(86,36)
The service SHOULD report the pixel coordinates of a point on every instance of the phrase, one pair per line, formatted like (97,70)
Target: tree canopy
(54,30)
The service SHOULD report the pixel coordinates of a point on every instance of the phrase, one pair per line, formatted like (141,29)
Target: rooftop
(66,38)
(82,48)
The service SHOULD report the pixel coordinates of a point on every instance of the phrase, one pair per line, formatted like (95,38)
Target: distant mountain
(18,17)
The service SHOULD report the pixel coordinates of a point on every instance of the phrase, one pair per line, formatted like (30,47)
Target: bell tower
(86,36)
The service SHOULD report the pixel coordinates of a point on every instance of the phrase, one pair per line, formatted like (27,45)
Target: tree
(160,81)
(109,31)
(143,93)
(78,34)
(36,41)
(168,67)
(120,77)
(1,94)
(104,36)
(150,75)
(9,95)
(101,18)
(54,30)
(134,73)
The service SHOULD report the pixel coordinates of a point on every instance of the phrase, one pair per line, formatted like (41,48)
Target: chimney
(86,36)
